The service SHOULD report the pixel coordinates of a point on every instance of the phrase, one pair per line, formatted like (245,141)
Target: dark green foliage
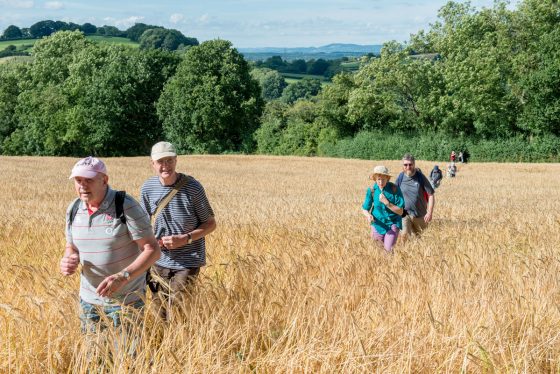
(437,146)
(110,31)
(305,88)
(271,82)
(135,32)
(79,97)
(12,32)
(318,67)
(212,104)
(42,28)
(169,40)
(88,28)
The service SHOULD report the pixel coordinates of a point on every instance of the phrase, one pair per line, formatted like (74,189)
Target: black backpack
(119,207)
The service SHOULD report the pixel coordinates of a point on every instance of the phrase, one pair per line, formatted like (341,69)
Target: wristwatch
(125,274)
(189,236)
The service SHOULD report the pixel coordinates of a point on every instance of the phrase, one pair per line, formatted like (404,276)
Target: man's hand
(172,241)
(69,264)
(110,285)
(428,217)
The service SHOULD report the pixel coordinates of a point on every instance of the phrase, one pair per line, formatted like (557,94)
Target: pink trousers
(389,239)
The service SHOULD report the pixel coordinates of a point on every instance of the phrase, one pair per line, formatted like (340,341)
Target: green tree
(318,67)
(88,29)
(333,105)
(272,83)
(305,88)
(81,98)
(135,32)
(42,28)
(165,39)
(10,76)
(110,31)
(537,66)
(12,32)
(212,104)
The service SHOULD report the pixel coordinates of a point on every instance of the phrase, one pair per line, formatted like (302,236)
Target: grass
(293,281)
(18,43)
(350,65)
(301,76)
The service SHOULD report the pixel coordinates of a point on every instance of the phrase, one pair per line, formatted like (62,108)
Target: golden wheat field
(294,283)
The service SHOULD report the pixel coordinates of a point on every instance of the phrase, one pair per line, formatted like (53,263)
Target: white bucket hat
(381,170)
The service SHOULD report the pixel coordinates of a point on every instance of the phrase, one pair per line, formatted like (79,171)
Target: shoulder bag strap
(163,203)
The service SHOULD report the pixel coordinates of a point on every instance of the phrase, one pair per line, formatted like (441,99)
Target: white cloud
(54,5)
(124,22)
(204,18)
(18,3)
(176,18)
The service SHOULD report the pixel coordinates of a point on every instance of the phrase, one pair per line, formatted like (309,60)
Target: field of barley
(293,283)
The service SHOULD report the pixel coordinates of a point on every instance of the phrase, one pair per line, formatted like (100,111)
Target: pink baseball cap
(88,168)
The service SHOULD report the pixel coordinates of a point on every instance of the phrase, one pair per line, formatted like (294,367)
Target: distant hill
(328,52)
(330,48)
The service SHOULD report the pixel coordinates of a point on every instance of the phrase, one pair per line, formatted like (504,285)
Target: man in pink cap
(110,235)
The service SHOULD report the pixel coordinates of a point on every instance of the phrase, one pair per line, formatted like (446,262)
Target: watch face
(126,274)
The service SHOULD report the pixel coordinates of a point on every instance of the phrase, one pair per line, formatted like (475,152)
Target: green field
(24,44)
(350,65)
(20,44)
(113,40)
(294,76)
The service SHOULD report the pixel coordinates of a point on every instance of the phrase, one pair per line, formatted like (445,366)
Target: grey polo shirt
(106,246)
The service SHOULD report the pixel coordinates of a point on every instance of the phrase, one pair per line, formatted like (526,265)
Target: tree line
(149,36)
(78,97)
(486,81)
(326,68)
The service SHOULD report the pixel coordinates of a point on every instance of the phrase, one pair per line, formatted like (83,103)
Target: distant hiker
(182,217)
(109,234)
(451,170)
(452,156)
(436,176)
(383,207)
(418,197)
(461,157)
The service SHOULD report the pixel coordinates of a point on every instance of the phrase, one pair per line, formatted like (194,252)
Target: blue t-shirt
(384,217)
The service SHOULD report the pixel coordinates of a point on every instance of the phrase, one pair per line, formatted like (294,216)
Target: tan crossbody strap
(163,203)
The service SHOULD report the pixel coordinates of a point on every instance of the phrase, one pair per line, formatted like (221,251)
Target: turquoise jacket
(384,217)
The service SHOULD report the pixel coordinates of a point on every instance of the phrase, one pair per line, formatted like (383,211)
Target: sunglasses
(405,165)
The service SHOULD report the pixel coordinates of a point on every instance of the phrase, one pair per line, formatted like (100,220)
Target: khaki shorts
(413,225)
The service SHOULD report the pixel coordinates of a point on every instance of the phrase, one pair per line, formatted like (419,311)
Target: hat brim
(84,174)
(159,156)
(385,175)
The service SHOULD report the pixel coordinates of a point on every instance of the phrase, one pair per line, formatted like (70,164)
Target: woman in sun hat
(383,208)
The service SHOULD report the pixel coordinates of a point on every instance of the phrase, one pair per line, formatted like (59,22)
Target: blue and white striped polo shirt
(106,246)
(188,209)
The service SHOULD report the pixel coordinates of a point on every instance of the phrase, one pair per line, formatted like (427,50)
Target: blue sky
(246,23)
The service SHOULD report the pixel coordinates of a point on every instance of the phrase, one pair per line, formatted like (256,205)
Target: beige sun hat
(380,170)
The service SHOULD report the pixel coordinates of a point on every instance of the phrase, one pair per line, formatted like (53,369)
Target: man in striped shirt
(114,255)
(180,227)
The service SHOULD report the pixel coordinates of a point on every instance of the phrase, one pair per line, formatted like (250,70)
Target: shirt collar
(106,203)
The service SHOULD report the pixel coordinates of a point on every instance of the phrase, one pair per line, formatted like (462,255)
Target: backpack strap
(399,179)
(74,211)
(120,196)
